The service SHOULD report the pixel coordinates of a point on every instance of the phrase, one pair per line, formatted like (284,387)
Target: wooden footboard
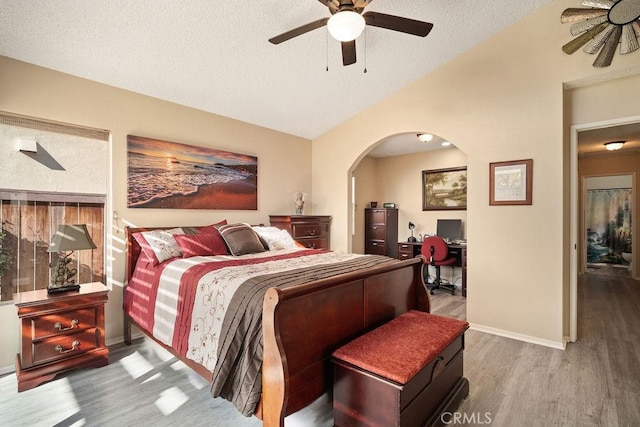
(303,325)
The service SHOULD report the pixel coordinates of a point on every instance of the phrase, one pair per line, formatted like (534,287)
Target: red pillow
(202,244)
(213,228)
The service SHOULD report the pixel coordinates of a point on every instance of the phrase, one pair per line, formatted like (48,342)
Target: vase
(298,202)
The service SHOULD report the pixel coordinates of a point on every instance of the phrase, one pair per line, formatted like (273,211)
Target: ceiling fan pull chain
(365,50)
(327,48)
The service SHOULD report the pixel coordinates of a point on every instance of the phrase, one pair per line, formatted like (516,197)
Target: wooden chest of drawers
(60,332)
(381,231)
(312,231)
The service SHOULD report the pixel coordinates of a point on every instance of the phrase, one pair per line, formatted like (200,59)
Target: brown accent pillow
(241,239)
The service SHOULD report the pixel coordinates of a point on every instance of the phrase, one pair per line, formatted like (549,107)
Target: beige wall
(367,186)
(38,92)
(503,100)
(612,165)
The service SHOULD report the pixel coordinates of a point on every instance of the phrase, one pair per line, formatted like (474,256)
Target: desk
(407,250)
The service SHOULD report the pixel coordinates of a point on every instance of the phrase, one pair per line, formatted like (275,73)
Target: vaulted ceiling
(215,55)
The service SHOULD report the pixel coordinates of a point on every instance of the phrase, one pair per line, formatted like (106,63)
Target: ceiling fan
(347,22)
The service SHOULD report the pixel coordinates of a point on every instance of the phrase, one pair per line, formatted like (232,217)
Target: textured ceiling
(215,55)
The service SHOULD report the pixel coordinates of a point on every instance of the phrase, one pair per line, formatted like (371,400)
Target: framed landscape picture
(170,175)
(510,183)
(444,189)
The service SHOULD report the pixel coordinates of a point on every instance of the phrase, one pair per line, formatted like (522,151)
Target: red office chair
(436,251)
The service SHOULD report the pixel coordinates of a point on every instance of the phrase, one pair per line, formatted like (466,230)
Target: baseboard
(120,339)
(517,336)
(7,369)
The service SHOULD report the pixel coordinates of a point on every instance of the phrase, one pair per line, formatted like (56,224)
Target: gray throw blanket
(237,376)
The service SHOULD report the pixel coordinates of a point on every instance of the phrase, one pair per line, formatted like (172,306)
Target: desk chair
(436,251)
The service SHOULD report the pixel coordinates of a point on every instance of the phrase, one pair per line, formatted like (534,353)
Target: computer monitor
(449,229)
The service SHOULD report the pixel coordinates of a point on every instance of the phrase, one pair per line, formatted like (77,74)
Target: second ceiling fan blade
(349,52)
(298,31)
(398,23)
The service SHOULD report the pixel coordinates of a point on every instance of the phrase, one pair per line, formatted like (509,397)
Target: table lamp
(411,227)
(67,239)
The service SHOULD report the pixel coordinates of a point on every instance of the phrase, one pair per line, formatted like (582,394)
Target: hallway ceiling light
(614,145)
(445,143)
(425,137)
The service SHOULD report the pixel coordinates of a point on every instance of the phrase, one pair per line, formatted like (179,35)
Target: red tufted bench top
(399,349)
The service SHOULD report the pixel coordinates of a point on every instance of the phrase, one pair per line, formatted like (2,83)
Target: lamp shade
(346,25)
(71,238)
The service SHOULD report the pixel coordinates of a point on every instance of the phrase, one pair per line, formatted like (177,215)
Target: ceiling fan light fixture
(614,145)
(346,25)
(425,137)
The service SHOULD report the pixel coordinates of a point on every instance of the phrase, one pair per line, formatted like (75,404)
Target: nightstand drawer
(65,322)
(309,230)
(320,243)
(64,346)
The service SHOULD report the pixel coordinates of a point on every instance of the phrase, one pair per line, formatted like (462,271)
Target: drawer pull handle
(59,327)
(74,345)
(312,232)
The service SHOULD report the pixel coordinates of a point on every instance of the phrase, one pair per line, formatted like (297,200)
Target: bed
(298,316)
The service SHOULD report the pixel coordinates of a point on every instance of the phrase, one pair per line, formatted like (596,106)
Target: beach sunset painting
(171,175)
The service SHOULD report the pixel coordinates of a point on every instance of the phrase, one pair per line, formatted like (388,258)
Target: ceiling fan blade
(397,23)
(574,14)
(298,31)
(333,5)
(578,28)
(580,41)
(349,52)
(609,49)
(602,4)
(599,40)
(636,28)
(629,41)
(359,5)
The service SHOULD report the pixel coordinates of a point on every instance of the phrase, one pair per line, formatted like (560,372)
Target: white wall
(59,165)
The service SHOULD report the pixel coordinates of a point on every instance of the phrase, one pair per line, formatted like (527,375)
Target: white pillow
(276,238)
(159,245)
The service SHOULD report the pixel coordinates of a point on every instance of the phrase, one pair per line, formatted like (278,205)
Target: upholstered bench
(406,372)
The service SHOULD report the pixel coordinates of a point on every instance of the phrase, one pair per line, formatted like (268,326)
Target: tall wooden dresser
(312,231)
(381,231)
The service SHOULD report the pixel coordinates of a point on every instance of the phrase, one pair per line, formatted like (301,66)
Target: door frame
(574,213)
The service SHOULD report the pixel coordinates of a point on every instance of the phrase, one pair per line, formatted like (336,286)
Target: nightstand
(60,332)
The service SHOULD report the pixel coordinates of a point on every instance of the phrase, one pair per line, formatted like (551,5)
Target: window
(28,220)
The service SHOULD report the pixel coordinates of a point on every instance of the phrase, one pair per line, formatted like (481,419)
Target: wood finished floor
(595,382)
